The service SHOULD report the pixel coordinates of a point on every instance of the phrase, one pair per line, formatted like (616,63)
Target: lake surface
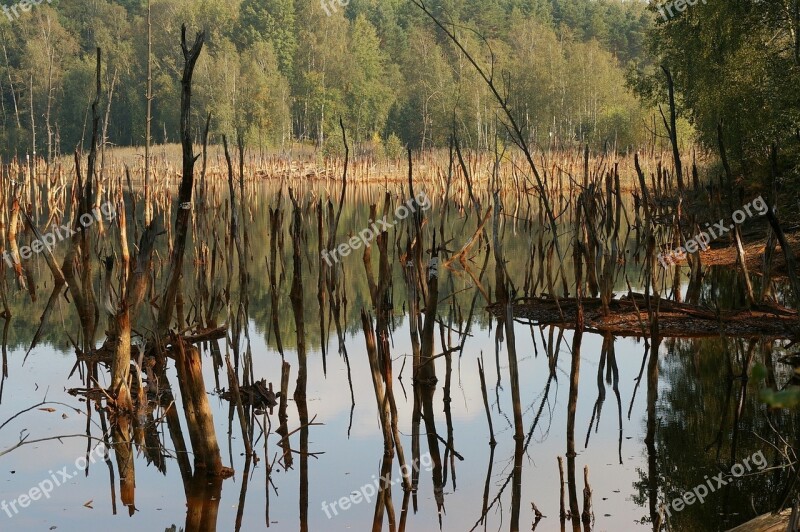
(648,432)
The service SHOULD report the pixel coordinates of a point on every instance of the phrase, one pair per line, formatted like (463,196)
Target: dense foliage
(288,69)
(735,63)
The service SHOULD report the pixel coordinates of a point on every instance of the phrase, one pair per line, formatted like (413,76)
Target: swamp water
(650,423)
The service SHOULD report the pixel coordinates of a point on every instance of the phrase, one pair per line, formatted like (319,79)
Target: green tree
(264,108)
(368,96)
(423,115)
(273,22)
(321,72)
(735,63)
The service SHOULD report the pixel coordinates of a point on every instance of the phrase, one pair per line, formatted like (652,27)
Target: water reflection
(378,374)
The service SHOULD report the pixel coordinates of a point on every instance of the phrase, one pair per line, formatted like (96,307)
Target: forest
(575,71)
(428,266)
(286,70)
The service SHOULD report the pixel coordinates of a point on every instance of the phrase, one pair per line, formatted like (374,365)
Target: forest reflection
(476,391)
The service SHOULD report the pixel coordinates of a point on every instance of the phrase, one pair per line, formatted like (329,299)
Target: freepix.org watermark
(56,479)
(60,233)
(368,491)
(365,236)
(701,491)
(702,240)
(25,6)
(666,9)
(329,6)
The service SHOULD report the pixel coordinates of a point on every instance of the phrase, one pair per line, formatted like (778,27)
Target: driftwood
(106,352)
(258,395)
(628,317)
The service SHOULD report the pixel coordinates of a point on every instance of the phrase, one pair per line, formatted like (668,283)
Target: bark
(671,128)
(199,419)
(190,56)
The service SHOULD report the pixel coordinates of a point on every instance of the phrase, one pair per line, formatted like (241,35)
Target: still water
(701,415)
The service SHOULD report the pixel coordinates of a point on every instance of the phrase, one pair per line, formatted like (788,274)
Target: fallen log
(766,523)
(628,316)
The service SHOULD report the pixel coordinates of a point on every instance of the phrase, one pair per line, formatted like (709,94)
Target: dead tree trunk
(77,266)
(147,208)
(672,130)
(132,296)
(190,56)
(199,419)
(737,233)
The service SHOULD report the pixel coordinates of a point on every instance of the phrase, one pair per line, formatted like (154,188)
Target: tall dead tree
(672,128)
(147,212)
(190,56)
(516,131)
(77,266)
(188,361)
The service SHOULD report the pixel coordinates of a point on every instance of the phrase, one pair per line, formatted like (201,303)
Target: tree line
(286,70)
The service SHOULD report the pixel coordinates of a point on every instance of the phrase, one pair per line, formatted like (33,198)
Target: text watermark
(367,491)
(56,479)
(704,238)
(24,5)
(329,6)
(701,491)
(666,9)
(366,235)
(49,240)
